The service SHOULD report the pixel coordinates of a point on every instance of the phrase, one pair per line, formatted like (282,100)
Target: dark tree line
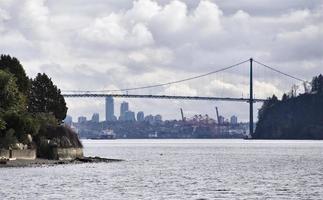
(26,105)
(317,84)
(13,66)
(293,117)
(45,97)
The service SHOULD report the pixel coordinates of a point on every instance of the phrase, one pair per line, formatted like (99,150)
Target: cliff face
(298,117)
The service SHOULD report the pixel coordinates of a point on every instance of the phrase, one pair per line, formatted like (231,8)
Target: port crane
(182,114)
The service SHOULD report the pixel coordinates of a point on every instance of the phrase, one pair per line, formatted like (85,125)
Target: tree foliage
(267,105)
(10,97)
(20,118)
(22,124)
(317,84)
(12,65)
(2,124)
(293,117)
(8,139)
(45,97)
(39,117)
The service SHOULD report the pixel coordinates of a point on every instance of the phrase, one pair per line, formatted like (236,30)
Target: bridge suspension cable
(164,84)
(280,72)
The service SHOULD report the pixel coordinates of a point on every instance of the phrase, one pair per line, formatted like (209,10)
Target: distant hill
(293,117)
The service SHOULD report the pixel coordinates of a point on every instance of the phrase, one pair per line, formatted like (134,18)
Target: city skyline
(161,99)
(138,115)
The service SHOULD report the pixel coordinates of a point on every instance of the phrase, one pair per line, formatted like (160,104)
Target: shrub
(8,140)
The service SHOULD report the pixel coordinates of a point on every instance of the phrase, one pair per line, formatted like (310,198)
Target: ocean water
(178,169)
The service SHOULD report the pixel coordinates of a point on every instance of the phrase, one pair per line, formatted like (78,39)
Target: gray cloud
(115,44)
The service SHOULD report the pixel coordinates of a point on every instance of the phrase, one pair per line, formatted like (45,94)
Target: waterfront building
(140,116)
(234,120)
(95,118)
(221,120)
(81,119)
(158,118)
(109,109)
(150,119)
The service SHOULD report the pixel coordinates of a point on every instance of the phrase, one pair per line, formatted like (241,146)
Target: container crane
(182,114)
(217,114)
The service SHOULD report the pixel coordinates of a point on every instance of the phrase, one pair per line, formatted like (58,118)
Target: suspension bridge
(250,100)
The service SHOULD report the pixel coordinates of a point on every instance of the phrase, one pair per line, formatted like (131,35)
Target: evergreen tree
(285,97)
(2,124)
(45,97)
(267,105)
(21,124)
(317,84)
(10,97)
(12,65)
(294,117)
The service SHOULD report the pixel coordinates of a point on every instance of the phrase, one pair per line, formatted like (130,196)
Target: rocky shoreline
(39,162)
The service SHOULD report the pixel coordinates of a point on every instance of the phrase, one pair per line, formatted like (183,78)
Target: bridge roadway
(162,97)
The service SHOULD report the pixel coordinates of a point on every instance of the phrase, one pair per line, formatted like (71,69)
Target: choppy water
(178,169)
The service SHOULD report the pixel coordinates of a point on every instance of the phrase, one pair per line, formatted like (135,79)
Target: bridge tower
(251,99)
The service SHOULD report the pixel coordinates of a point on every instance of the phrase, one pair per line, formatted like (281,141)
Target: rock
(3,161)
(65,142)
(96,160)
(29,138)
(19,146)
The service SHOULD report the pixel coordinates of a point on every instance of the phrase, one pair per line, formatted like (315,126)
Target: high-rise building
(140,116)
(68,120)
(158,118)
(221,119)
(124,107)
(95,118)
(234,119)
(150,119)
(109,109)
(81,119)
(129,116)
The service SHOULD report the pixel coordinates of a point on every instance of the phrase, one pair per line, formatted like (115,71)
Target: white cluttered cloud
(100,45)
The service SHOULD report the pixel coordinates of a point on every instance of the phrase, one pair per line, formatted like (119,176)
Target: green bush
(8,140)
(10,97)
(2,124)
(22,124)
(45,119)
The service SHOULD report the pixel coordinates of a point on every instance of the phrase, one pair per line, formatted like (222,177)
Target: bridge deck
(162,97)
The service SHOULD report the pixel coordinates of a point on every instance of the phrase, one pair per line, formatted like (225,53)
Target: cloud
(300,44)
(33,19)
(109,32)
(120,44)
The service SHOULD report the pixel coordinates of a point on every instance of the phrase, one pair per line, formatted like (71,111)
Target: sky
(115,44)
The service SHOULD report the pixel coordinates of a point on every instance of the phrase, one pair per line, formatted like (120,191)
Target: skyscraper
(123,109)
(109,109)
(140,116)
(129,116)
(234,119)
(95,118)
(81,119)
